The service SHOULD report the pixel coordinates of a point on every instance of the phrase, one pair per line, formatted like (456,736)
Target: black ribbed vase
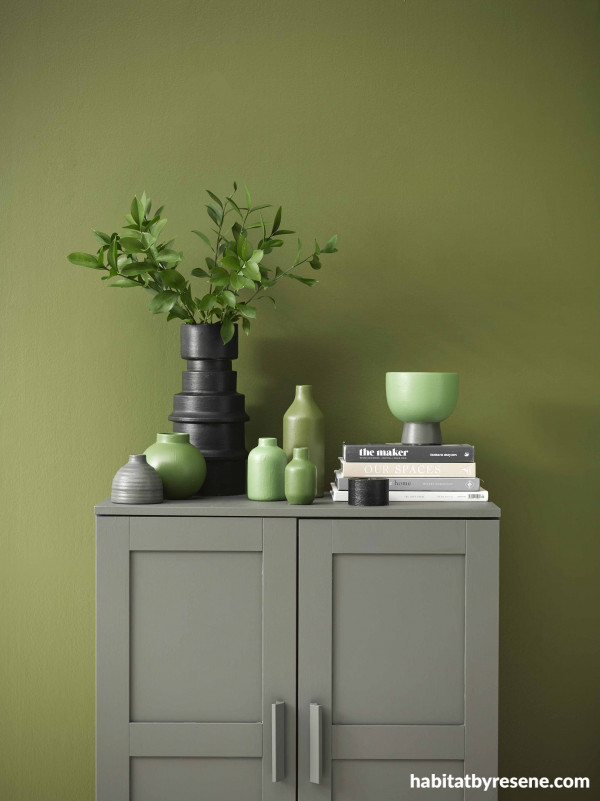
(210,410)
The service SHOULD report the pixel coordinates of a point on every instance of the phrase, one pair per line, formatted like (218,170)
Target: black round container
(368,492)
(210,410)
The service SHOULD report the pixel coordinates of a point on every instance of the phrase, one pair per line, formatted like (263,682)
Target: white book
(397,496)
(407,469)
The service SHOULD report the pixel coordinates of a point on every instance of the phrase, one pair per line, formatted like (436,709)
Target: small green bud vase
(266,471)
(300,479)
(304,427)
(180,465)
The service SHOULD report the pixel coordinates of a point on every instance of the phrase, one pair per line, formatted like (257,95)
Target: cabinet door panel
(197,642)
(196,779)
(388,628)
(196,621)
(398,638)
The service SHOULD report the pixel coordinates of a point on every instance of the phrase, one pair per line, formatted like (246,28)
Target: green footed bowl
(421,397)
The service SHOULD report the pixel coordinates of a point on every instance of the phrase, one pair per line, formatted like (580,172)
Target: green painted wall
(452,145)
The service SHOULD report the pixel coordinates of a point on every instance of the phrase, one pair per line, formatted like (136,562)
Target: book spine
(409,453)
(402,469)
(436,497)
(422,484)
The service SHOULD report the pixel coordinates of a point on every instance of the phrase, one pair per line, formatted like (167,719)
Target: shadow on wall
(277,366)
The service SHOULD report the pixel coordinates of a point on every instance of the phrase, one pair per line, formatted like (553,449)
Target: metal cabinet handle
(316,744)
(277,741)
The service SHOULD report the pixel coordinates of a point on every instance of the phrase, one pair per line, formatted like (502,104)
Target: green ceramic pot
(266,471)
(422,401)
(304,427)
(180,465)
(300,479)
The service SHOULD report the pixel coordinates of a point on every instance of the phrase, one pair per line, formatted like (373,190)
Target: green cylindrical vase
(304,427)
(180,465)
(266,471)
(300,479)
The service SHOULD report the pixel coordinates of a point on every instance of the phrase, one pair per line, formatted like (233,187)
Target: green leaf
(248,198)
(214,197)
(210,262)
(228,298)
(235,186)
(163,302)
(179,312)
(199,272)
(264,206)
(305,281)
(227,330)
(235,206)
(173,278)
(141,210)
(203,237)
(206,303)
(315,262)
(284,231)
(232,262)
(112,254)
(317,248)
(251,270)
(131,244)
(135,215)
(158,226)
(103,238)
(219,277)
(124,283)
(215,213)
(237,281)
(244,248)
(169,256)
(330,247)
(276,221)
(84,260)
(136,269)
(256,256)
(245,326)
(298,252)
(247,311)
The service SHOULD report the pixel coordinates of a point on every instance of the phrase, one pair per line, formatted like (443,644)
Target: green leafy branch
(234,271)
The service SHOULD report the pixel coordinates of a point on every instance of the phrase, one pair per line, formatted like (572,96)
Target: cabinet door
(397,657)
(196,676)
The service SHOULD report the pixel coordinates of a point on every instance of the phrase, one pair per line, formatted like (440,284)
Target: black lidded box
(368,492)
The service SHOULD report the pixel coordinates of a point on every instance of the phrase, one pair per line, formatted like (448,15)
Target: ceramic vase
(210,410)
(180,465)
(137,482)
(304,427)
(300,478)
(266,471)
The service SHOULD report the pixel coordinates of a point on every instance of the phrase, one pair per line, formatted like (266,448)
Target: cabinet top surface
(240,506)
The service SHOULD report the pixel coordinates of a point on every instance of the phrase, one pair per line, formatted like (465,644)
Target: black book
(397,452)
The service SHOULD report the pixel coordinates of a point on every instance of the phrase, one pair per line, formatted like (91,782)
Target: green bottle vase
(266,471)
(304,427)
(300,479)
(180,465)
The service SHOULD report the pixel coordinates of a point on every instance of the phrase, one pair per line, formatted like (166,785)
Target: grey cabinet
(260,651)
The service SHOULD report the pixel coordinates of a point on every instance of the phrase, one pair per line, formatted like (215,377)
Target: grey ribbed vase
(137,482)
(210,410)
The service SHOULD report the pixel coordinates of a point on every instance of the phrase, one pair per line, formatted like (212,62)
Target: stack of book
(415,472)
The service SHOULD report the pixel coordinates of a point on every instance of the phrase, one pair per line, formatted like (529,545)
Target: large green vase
(180,465)
(304,427)
(300,478)
(266,471)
